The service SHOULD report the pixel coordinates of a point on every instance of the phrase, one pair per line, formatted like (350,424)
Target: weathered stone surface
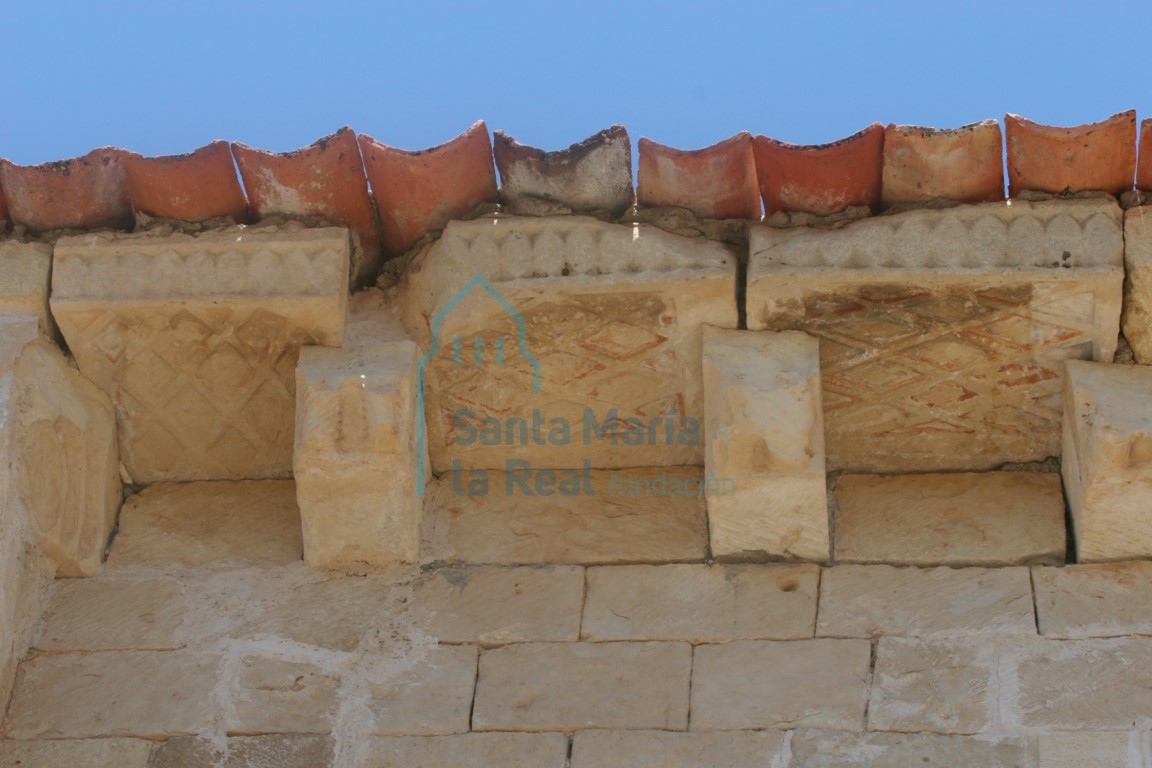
(431,697)
(25,270)
(65,464)
(279,696)
(573,686)
(833,749)
(470,750)
(1138,281)
(609,525)
(1094,600)
(195,339)
(112,614)
(75,753)
(205,522)
(943,333)
(77,696)
(355,457)
(1115,749)
(869,600)
(573,322)
(500,605)
(995,518)
(591,176)
(771,684)
(643,749)
(1107,460)
(765,429)
(701,603)
(273,751)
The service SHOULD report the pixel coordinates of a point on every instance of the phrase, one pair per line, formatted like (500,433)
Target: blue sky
(167,77)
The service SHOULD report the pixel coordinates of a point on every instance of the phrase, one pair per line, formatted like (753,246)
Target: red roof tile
(88,192)
(822,178)
(717,182)
(1097,156)
(922,164)
(193,187)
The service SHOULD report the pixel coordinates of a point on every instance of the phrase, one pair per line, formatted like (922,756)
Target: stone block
(943,332)
(469,750)
(432,695)
(112,614)
(1098,600)
(614,519)
(770,684)
(1107,460)
(870,600)
(574,686)
(835,749)
(65,462)
(494,606)
(643,749)
(195,339)
(209,522)
(281,696)
(286,750)
(76,753)
(980,519)
(77,696)
(25,274)
(1106,749)
(765,448)
(560,340)
(700,603)
(355,460)
(1138,282)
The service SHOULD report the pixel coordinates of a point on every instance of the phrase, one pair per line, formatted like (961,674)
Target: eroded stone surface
(1138,282)
(593,327)
(205,522)
(507,526)
(700,603)
(1107,460)
(869,600)
(1094,600)
(471,750)
(1090,750)
(272,751)
(500,605)
(76,753)
(832,749)
(765,446)
(280,696)
(112,614)
(642,749)
(66,459)
(573,686)
(943,333)
(76,696)
(195,339)
(995,518)
(355,457)
(25,270)
(771,684)
(432,697)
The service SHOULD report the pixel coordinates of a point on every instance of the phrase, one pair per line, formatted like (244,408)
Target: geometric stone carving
(355,461)
(195,339)
(565,322)
(1107,460)
(765,432)
(1138,283)
(24,278)
(943,332)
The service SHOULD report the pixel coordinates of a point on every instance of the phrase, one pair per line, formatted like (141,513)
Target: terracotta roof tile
(1144,165)
(717,182)
(419,192)
(199,185)
(86,192)
(592,175)
(822,178)
(1047,158)
(922,164)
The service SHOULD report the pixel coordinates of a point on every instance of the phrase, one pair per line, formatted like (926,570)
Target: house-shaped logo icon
(476,347)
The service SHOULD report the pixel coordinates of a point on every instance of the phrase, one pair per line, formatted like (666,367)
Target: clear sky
(167,76)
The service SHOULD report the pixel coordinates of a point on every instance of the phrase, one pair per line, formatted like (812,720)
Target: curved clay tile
(88,192)
(1144,165)
(592,175)
(717,182)
(324,179)
(199,185)
(821,178)
(1046,158)
(419,192)
(965,164)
